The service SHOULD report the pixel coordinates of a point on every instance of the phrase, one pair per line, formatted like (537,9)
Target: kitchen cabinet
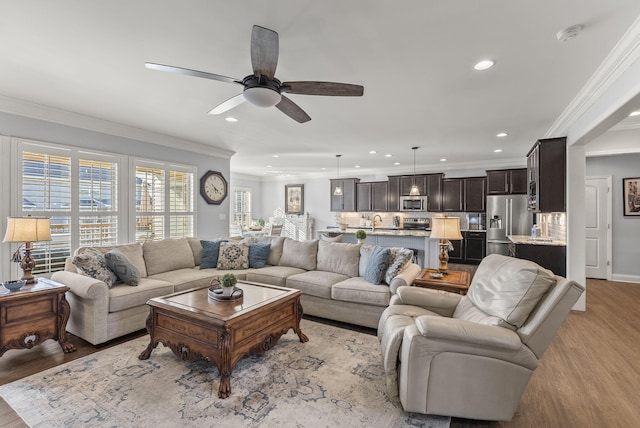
(475,194)
(372,196)
(464,194)
(470,250)
(507,182)
(406,181)
(347,201)
(546,173)
(434,192)
(552,257)
(393,193)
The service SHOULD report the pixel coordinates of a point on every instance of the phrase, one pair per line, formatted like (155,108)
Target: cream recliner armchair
(472,356)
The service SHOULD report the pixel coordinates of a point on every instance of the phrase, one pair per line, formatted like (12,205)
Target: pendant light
(414,188)
(338,189)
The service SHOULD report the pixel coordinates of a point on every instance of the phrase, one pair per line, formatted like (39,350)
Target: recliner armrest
(438,301)
(462,331)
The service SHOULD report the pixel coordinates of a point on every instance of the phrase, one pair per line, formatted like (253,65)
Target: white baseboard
(625,278)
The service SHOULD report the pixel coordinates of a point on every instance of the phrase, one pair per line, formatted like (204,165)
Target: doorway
(598,227)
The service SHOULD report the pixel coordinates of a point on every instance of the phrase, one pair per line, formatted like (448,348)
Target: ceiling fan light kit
(261,88)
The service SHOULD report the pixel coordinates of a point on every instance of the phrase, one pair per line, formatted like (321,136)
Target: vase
(360,241)
(228,291)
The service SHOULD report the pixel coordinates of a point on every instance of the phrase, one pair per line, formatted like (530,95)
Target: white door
(598,233)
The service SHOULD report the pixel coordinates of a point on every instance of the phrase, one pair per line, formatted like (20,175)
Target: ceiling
(415,62)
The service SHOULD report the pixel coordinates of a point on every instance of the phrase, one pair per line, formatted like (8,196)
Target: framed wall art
(631,196)
(294,198)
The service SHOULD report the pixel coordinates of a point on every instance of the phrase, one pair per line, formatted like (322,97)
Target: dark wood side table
(33,314)
(455,281)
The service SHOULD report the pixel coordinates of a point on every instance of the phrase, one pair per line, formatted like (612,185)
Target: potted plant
(228,283)
(361,235)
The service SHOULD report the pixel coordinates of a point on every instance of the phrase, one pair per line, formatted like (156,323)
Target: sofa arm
(405,277)
(438,301)
(81,285)
(467,332)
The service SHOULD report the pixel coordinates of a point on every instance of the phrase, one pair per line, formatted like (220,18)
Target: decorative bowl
(16,284)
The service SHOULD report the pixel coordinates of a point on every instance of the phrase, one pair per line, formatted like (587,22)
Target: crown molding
(622,56)
(51,114)
(613,152)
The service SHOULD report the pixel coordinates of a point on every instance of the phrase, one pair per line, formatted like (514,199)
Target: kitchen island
(547,252)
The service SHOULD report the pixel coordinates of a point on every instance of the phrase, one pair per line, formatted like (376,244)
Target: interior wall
(255,185)
(625,231)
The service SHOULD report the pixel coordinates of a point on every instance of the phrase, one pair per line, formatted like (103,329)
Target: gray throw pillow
(377,266)
(210,253)
(91,262)
(122,267)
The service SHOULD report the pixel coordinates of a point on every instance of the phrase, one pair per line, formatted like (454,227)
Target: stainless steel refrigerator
(506,215)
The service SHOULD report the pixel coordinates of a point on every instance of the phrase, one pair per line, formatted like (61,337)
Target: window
(77,190)
(242,206)
(164,201)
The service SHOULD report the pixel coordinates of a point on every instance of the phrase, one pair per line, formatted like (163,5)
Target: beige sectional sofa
(327,273)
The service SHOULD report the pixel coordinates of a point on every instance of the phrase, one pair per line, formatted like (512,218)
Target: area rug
(334,380)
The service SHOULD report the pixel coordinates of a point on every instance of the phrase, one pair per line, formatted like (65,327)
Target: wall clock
(213,187)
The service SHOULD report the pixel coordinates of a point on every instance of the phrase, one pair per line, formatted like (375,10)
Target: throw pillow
(377,266)
(299,254)
(91,262)
(233,256)
(258,255)
(122,267)
(398,258)
(210,253)
(365,254)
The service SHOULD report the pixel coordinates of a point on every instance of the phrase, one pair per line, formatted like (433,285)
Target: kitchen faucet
(373,222)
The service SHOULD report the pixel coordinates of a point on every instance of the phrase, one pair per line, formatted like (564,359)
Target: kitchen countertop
(387,231)
(528,240)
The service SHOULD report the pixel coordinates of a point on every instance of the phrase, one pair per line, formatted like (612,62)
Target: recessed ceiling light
(634,113)
(484,64)
(501,134)
(323,168)
(372,152)
(443,160)
(396,163)
(497,151)
(388,155)
(230,119)
(356,166)
(269,166)
(276,156)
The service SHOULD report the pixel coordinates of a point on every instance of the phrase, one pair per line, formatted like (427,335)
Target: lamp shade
(28,229)
(445,228)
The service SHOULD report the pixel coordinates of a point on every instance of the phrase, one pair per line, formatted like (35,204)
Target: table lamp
(27,230)
(445,229)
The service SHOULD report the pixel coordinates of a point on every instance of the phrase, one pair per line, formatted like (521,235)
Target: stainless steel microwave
(413,203)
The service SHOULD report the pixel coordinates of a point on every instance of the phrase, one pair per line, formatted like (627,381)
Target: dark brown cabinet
(507,182)
(470,250)
(428,184)
(393,193)
(464,194)
(406,181)
(347,201)
(434,192)
(372,196)
(546,173)
(552,257)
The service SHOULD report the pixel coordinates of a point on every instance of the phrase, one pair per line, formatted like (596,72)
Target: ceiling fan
(261,88)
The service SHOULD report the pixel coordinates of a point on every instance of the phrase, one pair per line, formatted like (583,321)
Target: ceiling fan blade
(323,88)
(264,51)
(228,104)
(188,72)
(292,110)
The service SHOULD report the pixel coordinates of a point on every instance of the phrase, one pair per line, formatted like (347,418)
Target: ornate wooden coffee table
(195,327)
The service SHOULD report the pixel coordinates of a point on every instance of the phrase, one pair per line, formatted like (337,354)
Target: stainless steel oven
(413,203)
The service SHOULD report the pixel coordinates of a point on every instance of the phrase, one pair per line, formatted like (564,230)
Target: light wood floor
(589,376)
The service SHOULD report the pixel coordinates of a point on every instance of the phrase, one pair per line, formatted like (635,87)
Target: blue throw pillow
(377,266)
(258,254)
(210,252)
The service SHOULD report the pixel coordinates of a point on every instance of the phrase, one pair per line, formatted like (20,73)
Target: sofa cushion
(184,279)
(210,253)
(315,283)
(122,267)
(233,256)
(398,258)
(337,257)
(359,290)
(196,249)
(167,254)
(123,297)
(509,288)
(377,265)
(258,254)
(299,254)
(277,244)
(273,275)
(91,262)
(134,254)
